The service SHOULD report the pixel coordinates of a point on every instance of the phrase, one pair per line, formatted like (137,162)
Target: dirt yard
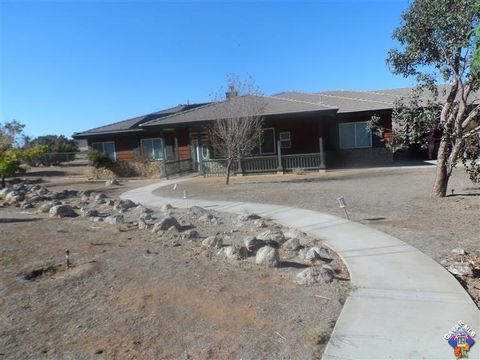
(395,201)
(132,294)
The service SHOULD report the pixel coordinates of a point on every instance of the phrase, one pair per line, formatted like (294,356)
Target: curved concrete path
(404,302)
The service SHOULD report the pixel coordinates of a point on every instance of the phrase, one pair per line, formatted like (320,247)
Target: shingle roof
(133,124)
(352,101)
(244,106)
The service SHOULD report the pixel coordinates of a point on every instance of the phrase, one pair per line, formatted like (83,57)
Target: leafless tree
(238,128)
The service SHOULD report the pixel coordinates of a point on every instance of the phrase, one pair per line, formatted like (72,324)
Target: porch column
(279,159)
(322,155)
(199,151)
(177,155)
(165,159)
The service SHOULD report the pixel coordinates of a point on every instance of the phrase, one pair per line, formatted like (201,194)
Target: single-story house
(332,123)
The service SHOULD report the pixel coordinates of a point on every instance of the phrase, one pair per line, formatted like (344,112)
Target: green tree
(54,143)
(12,152)
(437,44)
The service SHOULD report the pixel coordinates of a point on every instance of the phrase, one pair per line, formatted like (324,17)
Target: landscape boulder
(461,268)
(253,244)
(316,253)
(45,207)
(62,211)
(112,182)
(88,212)
(115,219)
(165,224)
(166,207)
(190,234)
(248,217)
(233,252)
(292,244)
(14,197)
(124,205)
(213,242)
(198,211)
(272,235)
(268,256)
(210,218)
(294,233)
(313,275)
(459,251)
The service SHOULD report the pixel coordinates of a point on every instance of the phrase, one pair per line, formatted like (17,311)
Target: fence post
(279,154)
(177,155)
(322,154)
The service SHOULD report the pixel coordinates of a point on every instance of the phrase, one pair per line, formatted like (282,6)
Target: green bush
(100,160)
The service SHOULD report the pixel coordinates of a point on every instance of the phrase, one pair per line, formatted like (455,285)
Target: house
(298,127)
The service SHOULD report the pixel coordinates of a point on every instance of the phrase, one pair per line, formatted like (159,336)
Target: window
(285,140)
(152,148)
(267,145)
(355,135)
(107,147)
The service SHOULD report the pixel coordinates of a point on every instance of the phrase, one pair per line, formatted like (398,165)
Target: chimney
(231,93)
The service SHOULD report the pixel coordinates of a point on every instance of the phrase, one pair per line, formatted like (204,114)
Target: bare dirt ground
(130,294)
(395,201)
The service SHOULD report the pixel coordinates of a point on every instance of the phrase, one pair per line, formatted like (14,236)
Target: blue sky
(68,66)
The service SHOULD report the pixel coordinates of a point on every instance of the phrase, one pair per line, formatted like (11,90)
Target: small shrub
(100,160)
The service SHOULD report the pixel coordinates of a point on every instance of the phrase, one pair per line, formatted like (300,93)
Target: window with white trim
(285,140)
(355,135)
(267,145)
(152,148)
(107,147)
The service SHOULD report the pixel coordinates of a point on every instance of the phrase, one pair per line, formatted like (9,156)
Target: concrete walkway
(404,301)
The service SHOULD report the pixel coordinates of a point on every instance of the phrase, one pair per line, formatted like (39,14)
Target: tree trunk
(229,166)
(442,174)
(3,181)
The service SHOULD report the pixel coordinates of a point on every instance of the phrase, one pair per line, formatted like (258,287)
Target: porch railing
(264,164)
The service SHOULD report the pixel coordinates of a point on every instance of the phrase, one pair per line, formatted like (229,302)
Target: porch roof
(241,106)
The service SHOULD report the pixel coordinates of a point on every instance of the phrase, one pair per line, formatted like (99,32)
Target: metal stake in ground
(185,196)
(343,205)
(67,258)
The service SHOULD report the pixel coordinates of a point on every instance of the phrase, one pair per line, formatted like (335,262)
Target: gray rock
(268,256)
(292,244)
(461,268)
(314,275)
(112,182)
(210,218)
(318,253)
(233,252)
(142,225)
(124,204)
(96,219)
(248,217)
(4,192)
(62,211)
(190,234)
(213,242)
(14,197)
(88,212)
(166,207)
(294,233)
(459,251)
(115,219)
(165,224)
(272,235)
(252,243)
(45,207)
(260,223)
(100,196)
(26,205)
(198,211)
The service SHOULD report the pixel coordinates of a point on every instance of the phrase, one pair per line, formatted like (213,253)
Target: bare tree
(238,128)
